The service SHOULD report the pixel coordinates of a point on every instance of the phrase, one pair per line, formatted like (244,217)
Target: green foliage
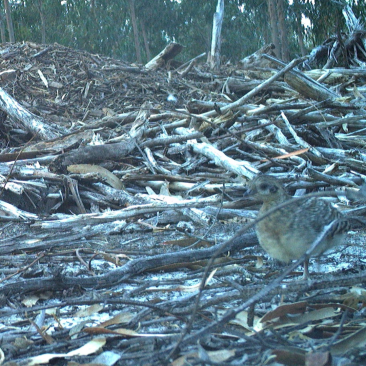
(104,26)
(27,23)
(326,18)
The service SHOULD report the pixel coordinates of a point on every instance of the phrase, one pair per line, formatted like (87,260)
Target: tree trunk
(9,21)
(283,34)
(299,28)
(272,4)
(216,36)
(2,27)
(300,37)
(146,43)
(43,21)
(135,30)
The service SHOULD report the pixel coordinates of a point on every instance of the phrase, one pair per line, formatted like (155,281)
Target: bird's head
(267,188)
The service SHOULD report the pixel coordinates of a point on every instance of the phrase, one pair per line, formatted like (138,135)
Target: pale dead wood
(30,122)
(169,52)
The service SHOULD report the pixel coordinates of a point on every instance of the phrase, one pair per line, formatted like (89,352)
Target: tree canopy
(107,27)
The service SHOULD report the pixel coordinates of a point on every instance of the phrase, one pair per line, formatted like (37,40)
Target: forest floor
(126,236)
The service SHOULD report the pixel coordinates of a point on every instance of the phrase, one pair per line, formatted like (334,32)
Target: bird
(290,231)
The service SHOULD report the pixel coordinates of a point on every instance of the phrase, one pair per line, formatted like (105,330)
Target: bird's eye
(263,186)
(273,189)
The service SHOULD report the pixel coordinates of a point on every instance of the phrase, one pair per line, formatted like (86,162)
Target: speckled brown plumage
(290,231)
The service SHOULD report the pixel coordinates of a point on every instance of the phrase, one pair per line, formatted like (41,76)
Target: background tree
(106,27)
(39,4)
(136,37)
(326,19)
(9,21)
(216,35)
(157,23)
(297,11)
(2,26)
(277,11)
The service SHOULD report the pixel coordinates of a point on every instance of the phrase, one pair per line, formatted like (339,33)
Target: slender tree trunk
(216,35)
(9,21)
(135,30)
(300,34)
(272,4)
(283,33)
(146,43)
(2,27)
(43,21)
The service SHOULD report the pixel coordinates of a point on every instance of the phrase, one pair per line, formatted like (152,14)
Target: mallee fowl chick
(290,231)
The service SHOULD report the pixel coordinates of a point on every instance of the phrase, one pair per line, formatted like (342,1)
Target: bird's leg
(305,276)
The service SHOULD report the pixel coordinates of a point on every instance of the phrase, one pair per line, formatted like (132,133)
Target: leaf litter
(115,209)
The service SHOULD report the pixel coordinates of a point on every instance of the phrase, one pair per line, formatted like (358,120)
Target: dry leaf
(357,339)
(89,348)
(318,359)
(285,156)
(30,300)
(121,318)
(283,310)
(89,311)
(290,356)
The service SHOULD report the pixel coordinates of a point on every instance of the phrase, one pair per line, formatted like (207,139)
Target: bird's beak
(249,192)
